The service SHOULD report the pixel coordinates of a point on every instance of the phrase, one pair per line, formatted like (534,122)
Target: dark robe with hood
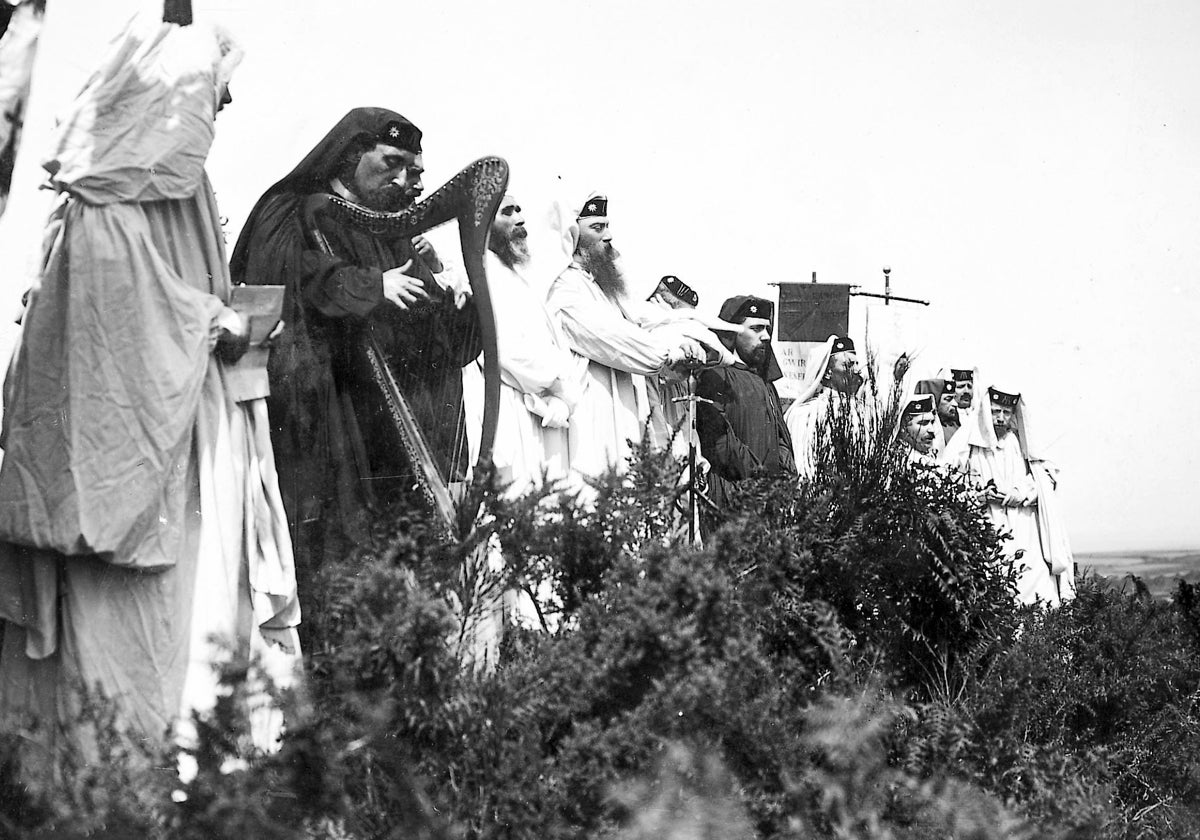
(340,458)
(742,432)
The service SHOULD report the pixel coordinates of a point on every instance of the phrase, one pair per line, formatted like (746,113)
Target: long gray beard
(605,271)
(511,251)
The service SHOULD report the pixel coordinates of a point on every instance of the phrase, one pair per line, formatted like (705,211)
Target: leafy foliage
(841,659)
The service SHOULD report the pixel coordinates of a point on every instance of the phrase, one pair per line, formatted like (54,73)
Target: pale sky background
(1032,168)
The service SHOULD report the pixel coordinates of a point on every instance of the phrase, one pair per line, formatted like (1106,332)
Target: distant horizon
(1129,551)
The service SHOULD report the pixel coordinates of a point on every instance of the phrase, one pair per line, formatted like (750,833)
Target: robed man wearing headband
(739,418)
(999,451)
(964,387)
(918,431)
(600,321)
(673,293)
(945,406)
(831,384)
(340,459)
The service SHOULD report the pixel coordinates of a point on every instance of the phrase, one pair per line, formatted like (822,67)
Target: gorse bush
(904,553)
(1096,707)
(841,659)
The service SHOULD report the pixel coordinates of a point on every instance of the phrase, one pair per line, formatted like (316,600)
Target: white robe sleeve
(530,361)
(597,329)
(532,358)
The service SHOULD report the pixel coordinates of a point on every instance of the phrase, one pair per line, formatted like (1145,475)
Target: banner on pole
(811,312)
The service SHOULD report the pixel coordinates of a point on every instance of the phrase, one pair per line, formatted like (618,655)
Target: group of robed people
(944,423)
(156,495)
(956,424)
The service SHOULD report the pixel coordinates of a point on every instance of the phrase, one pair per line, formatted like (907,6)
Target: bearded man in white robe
(605,331)
(540,382)
(832,384)
(1000,455)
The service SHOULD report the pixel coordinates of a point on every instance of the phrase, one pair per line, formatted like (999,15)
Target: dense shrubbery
(842,660)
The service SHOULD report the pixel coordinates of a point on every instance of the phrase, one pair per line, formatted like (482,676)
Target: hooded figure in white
(832,376)
(140,510)
(999,451)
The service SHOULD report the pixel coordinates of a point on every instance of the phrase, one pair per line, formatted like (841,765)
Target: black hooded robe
(339,456)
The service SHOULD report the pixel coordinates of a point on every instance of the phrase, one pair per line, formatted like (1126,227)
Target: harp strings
(407,347)
(462,449)
(471,198)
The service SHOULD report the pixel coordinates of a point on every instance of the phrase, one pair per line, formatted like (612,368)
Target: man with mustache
(964,388)
(540,382)
(918,428)
(831,385)
(590,301)
(947,411)
(739,419)
(341,459)
(945,406)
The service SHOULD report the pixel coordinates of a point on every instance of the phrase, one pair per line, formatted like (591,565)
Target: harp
(471,198)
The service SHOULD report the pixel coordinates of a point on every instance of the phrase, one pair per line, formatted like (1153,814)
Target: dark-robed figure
(339,455)
(739,419)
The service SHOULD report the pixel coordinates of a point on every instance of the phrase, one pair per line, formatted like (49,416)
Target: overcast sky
(1032,168)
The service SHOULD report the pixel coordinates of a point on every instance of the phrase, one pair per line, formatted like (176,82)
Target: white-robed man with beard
(612,342)
(998,451)
(540,383)
(833,380)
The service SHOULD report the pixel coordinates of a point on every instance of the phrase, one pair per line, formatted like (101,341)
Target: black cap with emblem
(1003,398)
(402,134)
(596,205)
(919,405)
(737,309)
(681,290)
